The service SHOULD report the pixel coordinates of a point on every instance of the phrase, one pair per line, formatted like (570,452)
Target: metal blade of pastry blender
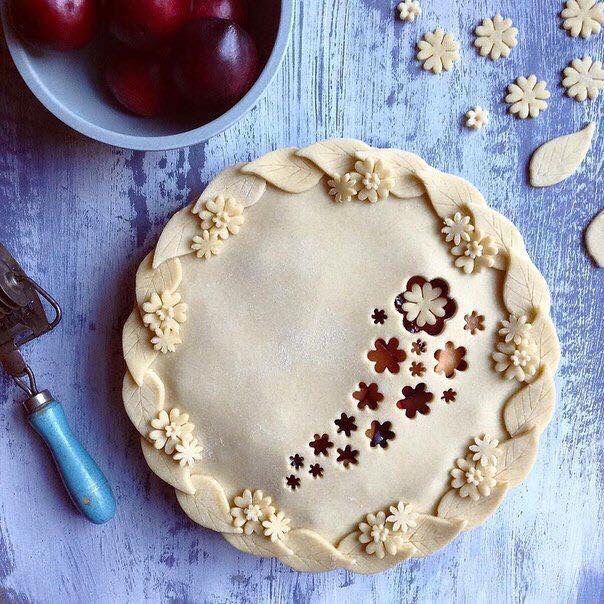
(22,319)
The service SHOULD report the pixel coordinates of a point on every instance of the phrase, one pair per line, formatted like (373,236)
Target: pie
(340,356)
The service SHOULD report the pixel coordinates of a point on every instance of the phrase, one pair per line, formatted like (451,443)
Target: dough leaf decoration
(560,157)
(165,278)
(517,458)
(258,545)
(432,533)
(176,237)
(167,469)
(138,350)
(404,166)
(311,553)
(285,170)
(246,189)
(474,512)
(206,504)
(336,156)
(143,402)
(594,239)
(365,563)
(532,406)
(546,340)
(524,290)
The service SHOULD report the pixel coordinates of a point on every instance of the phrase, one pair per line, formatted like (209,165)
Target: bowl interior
(72,84)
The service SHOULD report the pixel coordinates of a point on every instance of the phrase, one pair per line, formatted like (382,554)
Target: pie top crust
(340,357)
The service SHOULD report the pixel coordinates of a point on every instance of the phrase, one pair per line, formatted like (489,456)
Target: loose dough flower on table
(472,481)
(164,312)
(475,254)
(438,50)
(486,450)
(408,10)
(515,329)
(221,216)
(379,540)
(250,510)
(374,178)
(207,245)
(477,118)
(457,228)
(188,451)
(402,517)
(583,78)
(583,17)
(496,37)
(342,188)
(165,341)
(276,526)
(527,96)
(516,361)
(170,429)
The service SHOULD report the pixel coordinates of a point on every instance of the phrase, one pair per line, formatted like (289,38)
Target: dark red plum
(233,10)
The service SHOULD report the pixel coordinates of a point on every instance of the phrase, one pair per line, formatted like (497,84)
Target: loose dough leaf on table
(557,159)
(594,239)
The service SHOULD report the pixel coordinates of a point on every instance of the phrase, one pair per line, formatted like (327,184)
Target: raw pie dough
(340,357)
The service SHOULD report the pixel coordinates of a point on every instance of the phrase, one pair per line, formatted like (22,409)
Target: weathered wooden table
(81,216)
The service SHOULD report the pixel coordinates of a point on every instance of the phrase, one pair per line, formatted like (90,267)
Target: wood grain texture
(81,217)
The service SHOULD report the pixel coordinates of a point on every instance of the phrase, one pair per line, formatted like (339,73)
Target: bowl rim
(198,135)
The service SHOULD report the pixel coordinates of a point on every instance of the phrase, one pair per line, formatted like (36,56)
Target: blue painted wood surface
(81,216)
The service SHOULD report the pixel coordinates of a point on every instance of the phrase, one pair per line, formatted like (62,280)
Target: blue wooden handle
(86,484)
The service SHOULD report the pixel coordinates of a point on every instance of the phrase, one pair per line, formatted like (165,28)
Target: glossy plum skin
(143,24)
(57,24)
(139,83)
(232,10)
(214,63)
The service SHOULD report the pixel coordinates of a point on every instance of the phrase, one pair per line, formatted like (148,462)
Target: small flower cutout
(379,316)
(583,79)
(164,312)
(402,517)
(374,178)
(221,216)
(276,526)
(486,450)
(515,329)
(342,188)
(476,253)
(473,322)
(583,17)
(250,510)
(165,342)
(457,228)
(527,97)
(477,118)
(496,37)
(378,539)
(206,245)
(516,361)
(408,10)
(438,51)
(169,429)
(188,451)
(473,481)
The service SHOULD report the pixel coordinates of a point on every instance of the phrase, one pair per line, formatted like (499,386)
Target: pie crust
(340,357)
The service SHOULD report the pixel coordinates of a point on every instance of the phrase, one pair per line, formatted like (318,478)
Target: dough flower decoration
(408,10)
(516,361)
(475,254)
(343,188)
(486,451)
(472,480)
(438,50)
(477,118)
(250,510)
(495,37)
(221,216)
(527,97)
(373,177)
(188,451)
(169,429)
(165,341)
(457,228)
(515,329)
(425,305)
(583,78)
(164,312)
(206,245)
(276,526)
(378,536)
(402,517)
(583,17)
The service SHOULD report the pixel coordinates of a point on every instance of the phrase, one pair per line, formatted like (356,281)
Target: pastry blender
(23,318)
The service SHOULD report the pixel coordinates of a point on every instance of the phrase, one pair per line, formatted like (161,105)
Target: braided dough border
(526,413)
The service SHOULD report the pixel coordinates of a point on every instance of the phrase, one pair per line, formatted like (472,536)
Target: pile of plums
(162,56)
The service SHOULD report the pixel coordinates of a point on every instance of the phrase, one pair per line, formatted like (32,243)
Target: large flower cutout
(474,255)
(583,79)
(169,429)
(425,305)
(438,50)
(527,96)
(516,361)
(250,510)
(164,312)
(373,178)
(378,539)
(496,37)
(222,216)
(473,481)
(583,17)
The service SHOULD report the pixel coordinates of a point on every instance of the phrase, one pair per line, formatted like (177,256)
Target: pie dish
(340,357)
